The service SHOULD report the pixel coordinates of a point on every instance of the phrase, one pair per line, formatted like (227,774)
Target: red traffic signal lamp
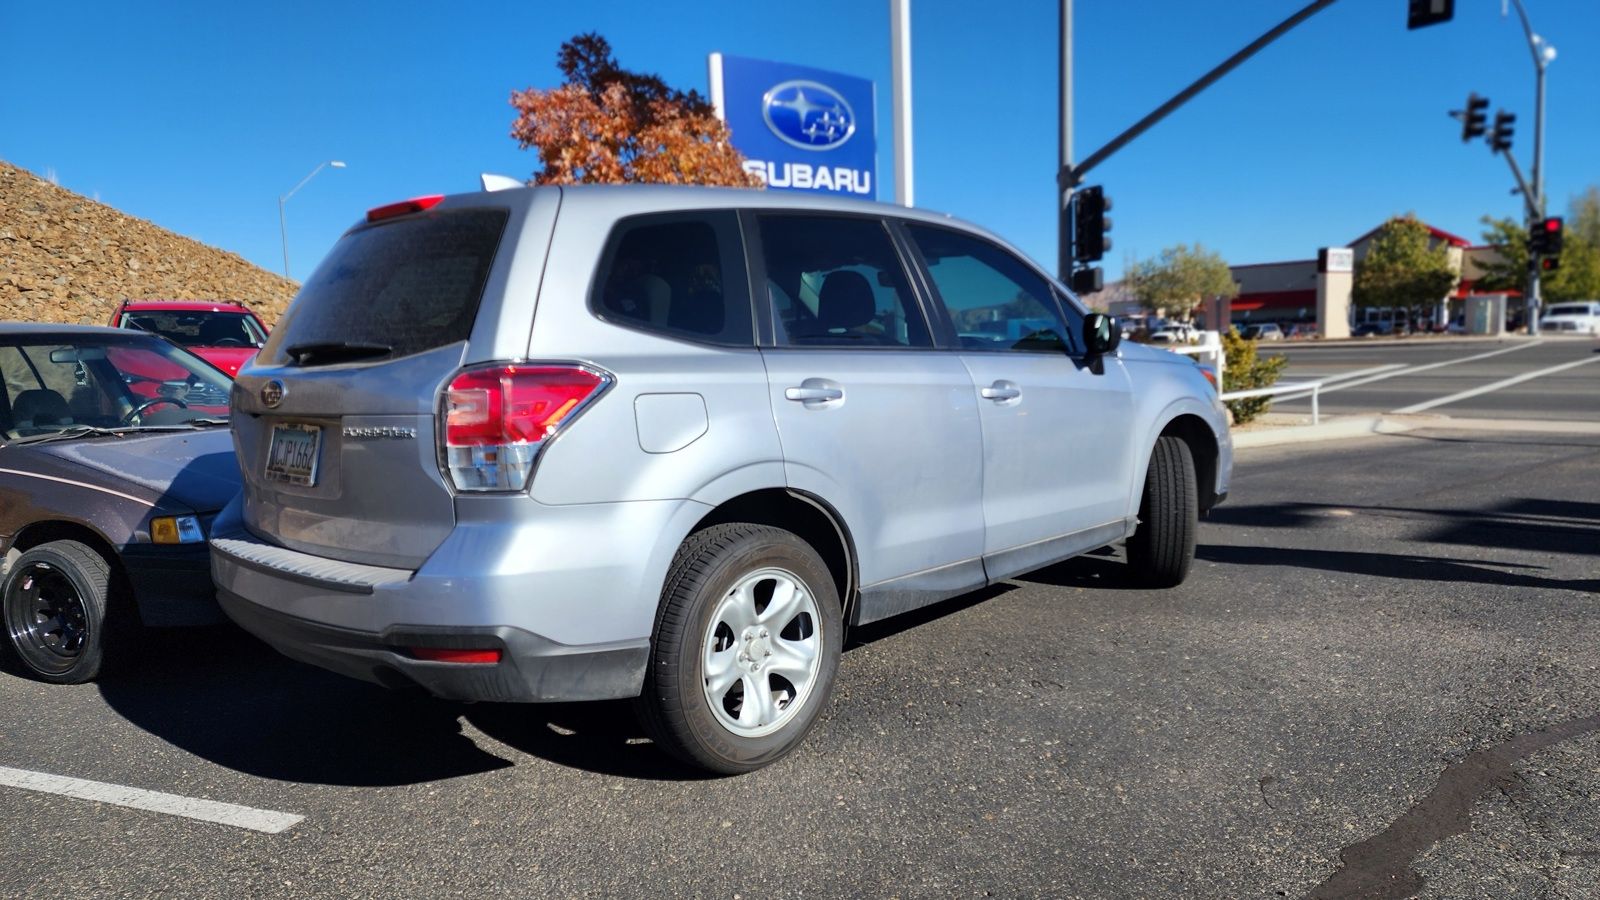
(1547,236)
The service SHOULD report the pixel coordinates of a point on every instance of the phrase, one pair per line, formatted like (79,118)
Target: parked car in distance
(114,456)
(1369,329)
(223,334)
(668,443)
(1264,331)
(1582,317)
(1302,331)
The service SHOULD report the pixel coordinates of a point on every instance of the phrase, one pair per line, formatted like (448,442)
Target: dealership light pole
(283,228)
(900,61)
(1543,54)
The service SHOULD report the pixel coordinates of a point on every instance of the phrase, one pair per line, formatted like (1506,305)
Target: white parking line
(151,801)
(1516,379)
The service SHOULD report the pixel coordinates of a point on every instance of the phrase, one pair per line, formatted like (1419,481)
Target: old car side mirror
(1101,334)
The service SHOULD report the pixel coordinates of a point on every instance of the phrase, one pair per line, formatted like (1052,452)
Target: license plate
(292,455)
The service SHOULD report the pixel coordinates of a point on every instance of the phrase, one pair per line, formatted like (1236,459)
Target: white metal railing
(1314,387)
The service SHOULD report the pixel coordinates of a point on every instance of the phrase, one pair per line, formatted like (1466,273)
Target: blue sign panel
(800,129)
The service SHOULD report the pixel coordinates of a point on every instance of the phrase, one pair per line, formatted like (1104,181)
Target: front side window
(677,274)
(996,302)
(836,281)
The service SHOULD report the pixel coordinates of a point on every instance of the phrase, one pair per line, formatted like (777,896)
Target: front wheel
(746,648)
(54,600)
(1160,551)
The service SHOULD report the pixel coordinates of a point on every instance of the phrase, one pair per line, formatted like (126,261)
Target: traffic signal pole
(1063,210)
(1542,54)
(1070,176)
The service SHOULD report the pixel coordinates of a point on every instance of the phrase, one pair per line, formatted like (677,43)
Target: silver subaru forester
(548,444)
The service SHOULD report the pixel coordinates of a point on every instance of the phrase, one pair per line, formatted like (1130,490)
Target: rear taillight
(494,420)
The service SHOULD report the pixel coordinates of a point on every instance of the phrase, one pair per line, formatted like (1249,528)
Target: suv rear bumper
(559,590)
(532,668)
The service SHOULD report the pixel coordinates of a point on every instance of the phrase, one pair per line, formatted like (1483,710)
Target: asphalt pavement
(1382,679)
(1515,378)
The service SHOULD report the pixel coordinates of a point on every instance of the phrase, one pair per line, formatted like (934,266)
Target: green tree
(1400,270)
(1181,277)
(1243,371)
(1507,268)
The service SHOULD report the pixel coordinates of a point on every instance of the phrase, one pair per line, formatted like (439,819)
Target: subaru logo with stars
(808,114)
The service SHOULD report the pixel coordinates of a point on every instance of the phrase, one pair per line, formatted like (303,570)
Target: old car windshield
(83,385)
(202,328)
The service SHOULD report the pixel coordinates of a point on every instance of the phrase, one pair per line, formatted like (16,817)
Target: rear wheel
(746,648)
(1160,551)
(54,603)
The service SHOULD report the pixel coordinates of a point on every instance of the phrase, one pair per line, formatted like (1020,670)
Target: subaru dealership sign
(799,128)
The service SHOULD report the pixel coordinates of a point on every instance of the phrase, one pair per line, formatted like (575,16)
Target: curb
(1362,426)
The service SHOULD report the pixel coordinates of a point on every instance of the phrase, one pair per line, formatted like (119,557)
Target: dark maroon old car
(114,456)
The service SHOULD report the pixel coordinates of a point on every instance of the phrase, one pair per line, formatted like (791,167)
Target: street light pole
(1542,54)
(283,228)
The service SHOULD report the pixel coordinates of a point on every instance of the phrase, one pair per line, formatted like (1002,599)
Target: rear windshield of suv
(392,289)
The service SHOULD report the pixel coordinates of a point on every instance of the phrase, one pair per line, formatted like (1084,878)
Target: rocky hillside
(66,258)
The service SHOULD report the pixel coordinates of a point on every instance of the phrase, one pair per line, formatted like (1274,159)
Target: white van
(1582,317)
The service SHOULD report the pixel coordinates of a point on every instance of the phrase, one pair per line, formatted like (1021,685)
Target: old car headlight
(176,530)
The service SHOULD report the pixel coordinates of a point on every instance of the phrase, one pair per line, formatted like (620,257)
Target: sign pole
(900,59)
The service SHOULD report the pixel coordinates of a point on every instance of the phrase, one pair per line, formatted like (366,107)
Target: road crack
(1380,866)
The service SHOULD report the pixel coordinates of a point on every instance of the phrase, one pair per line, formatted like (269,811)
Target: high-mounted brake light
(404,207)
(494,420)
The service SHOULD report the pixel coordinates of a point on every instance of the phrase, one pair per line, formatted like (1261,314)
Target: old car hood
(228,359)
(193,469)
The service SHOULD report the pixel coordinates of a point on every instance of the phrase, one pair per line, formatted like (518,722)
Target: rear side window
(677,274)
(393,289)
(836,281)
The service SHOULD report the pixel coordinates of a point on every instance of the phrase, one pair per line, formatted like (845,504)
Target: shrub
(1242,371)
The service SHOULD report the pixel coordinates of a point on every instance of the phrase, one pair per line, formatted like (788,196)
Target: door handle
(1001,391)
(812,394)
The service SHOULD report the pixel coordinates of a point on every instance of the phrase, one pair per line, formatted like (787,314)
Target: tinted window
(835,281)
(680,275)
(409,285)
(995,300)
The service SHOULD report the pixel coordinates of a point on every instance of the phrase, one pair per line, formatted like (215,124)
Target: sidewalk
(1275,429)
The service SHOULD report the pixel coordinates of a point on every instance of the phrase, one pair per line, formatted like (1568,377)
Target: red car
(223,334)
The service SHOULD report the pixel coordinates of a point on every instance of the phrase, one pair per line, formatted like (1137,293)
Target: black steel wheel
(54,604)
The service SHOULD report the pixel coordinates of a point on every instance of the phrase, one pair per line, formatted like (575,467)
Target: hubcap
(761,652)
(46,618)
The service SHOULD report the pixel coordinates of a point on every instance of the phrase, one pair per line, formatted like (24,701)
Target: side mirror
(1101,334)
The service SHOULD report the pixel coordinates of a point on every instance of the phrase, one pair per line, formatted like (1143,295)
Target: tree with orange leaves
(607,125)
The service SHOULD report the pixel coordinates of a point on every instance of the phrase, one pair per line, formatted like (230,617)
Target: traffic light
(1474,117)
(1549,263)
(1089,225)
(1422,13)
(1546,237)
(1500,137)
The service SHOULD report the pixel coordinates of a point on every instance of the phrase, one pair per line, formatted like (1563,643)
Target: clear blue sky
(198,115)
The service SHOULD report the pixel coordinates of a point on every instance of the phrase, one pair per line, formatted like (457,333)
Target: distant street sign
(800,129)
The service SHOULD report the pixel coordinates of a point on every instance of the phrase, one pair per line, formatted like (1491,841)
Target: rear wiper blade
(335,351)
